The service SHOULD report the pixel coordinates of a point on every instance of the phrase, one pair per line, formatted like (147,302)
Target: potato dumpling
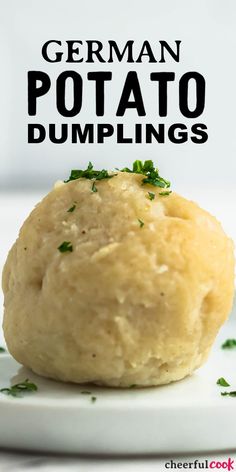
(116,287)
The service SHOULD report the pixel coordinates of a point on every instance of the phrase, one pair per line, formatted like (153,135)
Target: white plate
(187,416)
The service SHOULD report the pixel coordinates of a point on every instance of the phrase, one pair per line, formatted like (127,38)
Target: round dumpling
(117,286)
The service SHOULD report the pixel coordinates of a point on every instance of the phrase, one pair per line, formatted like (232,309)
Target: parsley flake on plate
(18,389)
(231,394)
(229,344)
(222,382)
(2,349)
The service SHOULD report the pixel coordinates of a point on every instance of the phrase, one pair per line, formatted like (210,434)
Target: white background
(207,32)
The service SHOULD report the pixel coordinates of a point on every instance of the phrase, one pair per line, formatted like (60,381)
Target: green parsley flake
(151,173)
(151,195)
(164,194)
(94,188)
(133,386)
(71,209)
(231,394)
(66,246)
(86,392)
(2,350)
(222,382)
(89,173)
(229,344)
(93,399)
(17,389)
(141,223)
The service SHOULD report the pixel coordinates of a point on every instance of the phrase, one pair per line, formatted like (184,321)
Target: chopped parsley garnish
(231,394)
(2,349)
(94,188)
(17,389)
(141,223)
(86,392)
(89,173)
(151,195)
(146,168)
(222,382)
(71,209)
(229,344)
(133,386)
(164,194)
(151,173)
(65,246)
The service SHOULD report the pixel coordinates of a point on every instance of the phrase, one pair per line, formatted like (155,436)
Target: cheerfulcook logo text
(227,464)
